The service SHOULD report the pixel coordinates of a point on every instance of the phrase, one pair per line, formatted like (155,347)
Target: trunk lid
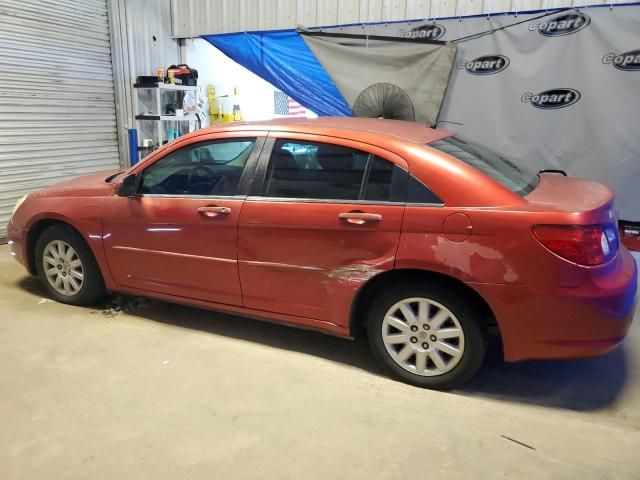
(574,195)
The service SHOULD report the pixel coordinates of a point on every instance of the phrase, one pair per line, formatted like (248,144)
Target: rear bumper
(555,322)
(17,242)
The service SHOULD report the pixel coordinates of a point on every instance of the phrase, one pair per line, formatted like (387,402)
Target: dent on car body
(355,273)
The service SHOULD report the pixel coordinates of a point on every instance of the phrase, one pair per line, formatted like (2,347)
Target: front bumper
(555,322)
(17,242)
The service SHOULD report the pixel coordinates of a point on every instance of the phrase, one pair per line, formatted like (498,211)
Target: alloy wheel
(423,336)
(62,267)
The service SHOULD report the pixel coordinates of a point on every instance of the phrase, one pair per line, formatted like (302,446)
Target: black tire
(469,316)
(92,288)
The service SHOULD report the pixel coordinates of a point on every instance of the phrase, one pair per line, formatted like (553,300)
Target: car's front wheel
(66,266)
(427,335)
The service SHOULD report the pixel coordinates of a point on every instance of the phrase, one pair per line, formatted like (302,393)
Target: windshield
(516,178)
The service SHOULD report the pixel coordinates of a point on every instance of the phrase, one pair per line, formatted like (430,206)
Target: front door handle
(214,211)
(359,218)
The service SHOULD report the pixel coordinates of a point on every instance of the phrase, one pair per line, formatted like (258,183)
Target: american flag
(283,104)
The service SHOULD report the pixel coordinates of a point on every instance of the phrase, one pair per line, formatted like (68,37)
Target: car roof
(357,128)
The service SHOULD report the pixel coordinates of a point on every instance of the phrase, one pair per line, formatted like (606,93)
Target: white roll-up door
(57,107)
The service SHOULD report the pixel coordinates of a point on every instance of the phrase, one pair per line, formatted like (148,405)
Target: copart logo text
(552,99)
(430,31)
(564,24)
(485,65)
(628,61)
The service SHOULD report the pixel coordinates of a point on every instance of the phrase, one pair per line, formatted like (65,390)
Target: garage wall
(191,18)
(57,107)
(141,42)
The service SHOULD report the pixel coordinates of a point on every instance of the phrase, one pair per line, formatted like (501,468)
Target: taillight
(582,244)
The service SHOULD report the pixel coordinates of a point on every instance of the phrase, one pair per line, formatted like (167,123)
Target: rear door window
(325,171)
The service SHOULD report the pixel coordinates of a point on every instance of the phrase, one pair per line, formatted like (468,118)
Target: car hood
(84,186)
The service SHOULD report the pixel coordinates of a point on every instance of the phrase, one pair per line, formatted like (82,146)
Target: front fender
(83,214)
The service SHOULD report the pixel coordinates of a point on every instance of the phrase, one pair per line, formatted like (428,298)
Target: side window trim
(248,174)
(262,198)
(365,176)
(245,179)
(257,181)
(424,204)
(260,171)
(256,192)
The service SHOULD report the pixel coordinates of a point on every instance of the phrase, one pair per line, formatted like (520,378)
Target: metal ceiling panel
(191,18)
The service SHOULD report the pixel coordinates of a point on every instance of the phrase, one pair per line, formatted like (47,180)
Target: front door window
(207,168)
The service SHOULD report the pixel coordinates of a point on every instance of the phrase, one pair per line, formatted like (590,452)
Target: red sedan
(423,238)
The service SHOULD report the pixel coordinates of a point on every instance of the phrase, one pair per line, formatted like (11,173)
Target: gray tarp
(421,70)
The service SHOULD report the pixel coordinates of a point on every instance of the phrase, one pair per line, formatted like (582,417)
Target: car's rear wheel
(67,268)
(427,335)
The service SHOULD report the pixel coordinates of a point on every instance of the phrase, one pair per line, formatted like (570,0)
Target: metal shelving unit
(159,117)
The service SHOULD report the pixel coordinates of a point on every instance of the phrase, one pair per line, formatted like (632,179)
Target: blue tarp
(283,59)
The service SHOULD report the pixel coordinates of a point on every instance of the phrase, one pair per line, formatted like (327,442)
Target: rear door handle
(214,211)
(359,218)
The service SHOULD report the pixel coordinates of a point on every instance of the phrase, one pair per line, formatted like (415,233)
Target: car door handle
(214,211)
(359,218)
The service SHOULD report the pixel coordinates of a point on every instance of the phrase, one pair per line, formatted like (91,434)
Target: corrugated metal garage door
(57,107)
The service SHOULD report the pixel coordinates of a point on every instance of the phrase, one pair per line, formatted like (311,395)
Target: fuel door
(457,227)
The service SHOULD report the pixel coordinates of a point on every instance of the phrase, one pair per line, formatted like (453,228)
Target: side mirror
(128,186)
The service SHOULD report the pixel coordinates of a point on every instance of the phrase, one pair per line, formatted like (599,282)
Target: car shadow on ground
(581,384)
(585,384)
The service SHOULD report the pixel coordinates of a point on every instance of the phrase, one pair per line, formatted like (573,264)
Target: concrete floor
(168,391)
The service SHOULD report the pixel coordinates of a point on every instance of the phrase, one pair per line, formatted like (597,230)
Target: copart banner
(548,89)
